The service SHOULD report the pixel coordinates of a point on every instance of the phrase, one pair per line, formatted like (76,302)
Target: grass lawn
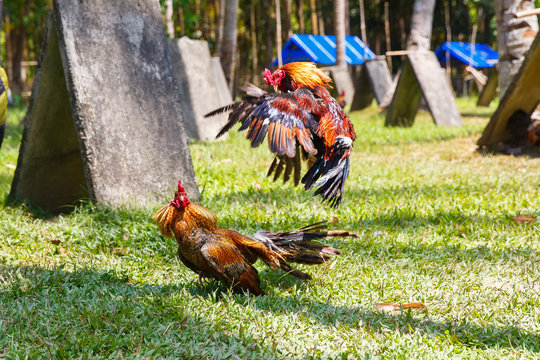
(435,223)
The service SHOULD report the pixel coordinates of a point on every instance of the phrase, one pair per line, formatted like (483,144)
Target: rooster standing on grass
(228,256)
(305,118)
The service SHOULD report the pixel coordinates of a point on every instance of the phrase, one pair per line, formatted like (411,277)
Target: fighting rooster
(228,256)
(303,118)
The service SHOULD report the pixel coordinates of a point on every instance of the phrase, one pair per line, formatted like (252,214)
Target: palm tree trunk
(514,37)
(278,33)
(363,22)
(254,55)
(314,17)
(181,20)
(287,19)
(300,15)
(339,13)
(169,18)
(228,49)
(421,25)
(221,25)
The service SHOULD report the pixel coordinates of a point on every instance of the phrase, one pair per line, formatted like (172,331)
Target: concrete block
(104,122)
(422,76)
(199,91)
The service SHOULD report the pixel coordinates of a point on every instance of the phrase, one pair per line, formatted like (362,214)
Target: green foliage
(434,218)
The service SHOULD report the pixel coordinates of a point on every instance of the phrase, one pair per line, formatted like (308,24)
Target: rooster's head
(180,197)
(295,75)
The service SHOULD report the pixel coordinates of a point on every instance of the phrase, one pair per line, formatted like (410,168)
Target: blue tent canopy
(321,49)
(483,56)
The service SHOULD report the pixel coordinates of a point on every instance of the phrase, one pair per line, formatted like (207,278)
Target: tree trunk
(514,37)
(339,21)
(254,55)
(300,15)
(314,17)
(347,18)
(403,37)
(421,25)
(169,18)
(221,24)
(320,18)
(448,39)
(278,33)
(287,19)
(228,49)
(387,33)
(181,20)
(15,43)
(363,22)
(269,35)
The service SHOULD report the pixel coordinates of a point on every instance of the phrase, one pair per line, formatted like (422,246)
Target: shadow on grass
(86,311)
(104,313)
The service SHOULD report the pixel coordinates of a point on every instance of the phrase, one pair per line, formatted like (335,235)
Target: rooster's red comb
(180,197)
(180,187)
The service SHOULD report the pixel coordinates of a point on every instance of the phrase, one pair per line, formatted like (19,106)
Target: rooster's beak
(275,88)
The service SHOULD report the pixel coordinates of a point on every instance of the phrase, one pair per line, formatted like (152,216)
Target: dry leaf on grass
(64,251)
(119,251)
(524,219)
(397,307)
(55,241)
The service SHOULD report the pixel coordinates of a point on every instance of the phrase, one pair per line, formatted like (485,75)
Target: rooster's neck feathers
(189,217)
(305,74)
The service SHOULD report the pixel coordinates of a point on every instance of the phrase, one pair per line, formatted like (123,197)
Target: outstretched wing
(288,119)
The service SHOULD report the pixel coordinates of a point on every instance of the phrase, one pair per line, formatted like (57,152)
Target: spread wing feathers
(329,175)
(288,119)
(290,165)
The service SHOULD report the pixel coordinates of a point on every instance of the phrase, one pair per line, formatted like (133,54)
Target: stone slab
(221,82)
(422,75)
(363,92)
(343,82)
(373,80)
(106,119)
(379,77)
(523,93)
(199,91)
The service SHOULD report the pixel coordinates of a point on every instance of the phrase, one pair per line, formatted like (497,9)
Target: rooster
(302,118)
(341,99)
(228,256)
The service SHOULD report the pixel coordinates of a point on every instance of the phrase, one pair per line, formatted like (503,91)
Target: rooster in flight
(302,119)
(228,256)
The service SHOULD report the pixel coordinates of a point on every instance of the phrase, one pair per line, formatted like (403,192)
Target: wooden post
(278,33)
(448,39)
(387,33)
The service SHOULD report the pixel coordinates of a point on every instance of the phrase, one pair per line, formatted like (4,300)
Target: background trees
(256,28)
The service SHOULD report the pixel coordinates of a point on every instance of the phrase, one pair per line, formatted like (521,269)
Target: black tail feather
(299,245)
(329,177)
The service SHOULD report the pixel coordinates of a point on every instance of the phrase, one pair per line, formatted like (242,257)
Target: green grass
(435,224)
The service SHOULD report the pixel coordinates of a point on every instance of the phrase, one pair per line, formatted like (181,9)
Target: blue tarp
(321,49)
(483,56)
